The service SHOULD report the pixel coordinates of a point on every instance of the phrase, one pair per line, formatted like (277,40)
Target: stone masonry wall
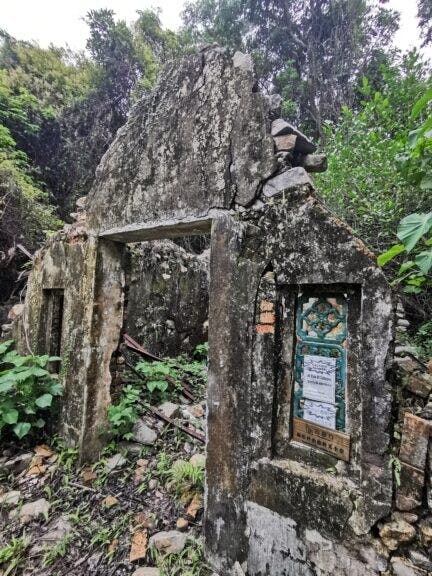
(166,306)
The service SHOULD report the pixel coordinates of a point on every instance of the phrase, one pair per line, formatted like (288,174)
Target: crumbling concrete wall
(203,131)
(207,149)
(167,297)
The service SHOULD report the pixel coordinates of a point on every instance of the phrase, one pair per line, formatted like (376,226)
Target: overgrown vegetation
(157,381)
(416,246)
(27,389)
(332,61)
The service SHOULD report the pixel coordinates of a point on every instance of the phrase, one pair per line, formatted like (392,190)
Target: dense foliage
(332,61)
(59,112)
(372,181)
(313,52)
(26,389)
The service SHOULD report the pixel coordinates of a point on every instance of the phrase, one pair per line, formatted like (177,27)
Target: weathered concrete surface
(231,323)
(307,246)
(69,264)
(199,149)
(279,546)
(203,130)
(167,297)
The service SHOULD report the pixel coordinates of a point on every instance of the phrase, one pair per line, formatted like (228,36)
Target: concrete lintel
(160,230)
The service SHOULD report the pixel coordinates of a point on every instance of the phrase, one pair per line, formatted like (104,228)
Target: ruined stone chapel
(300,328)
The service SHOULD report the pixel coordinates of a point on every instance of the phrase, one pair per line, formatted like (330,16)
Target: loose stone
(171,542)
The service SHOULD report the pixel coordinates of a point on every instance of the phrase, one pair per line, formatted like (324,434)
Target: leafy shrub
(26,389)
(123,415)
(414,234)
(423,340)
(201,351)
(159,375)
(372,182)
(156,374)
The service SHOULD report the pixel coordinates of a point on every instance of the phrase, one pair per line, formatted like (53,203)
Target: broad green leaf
(412,290)
(38,372)
(5,346)
(21,429)
(413,136)
(44,401)
(412,228)
(55,389)
(10,416)
(416,280)
(390,254)
(406,266)
(40,423)
(41,360)
(161,385)
(6,385)
(14,358)
(421,104)
(424,261)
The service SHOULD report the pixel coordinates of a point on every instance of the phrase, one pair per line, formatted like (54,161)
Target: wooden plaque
(331,441)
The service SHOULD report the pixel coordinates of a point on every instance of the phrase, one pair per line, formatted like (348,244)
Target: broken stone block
(57,530)
(171,542)
(10,498)
(275,105)
(116,461)
(15,311)
(407,516)
(281,127)
(420,384)
(19,463)
(197,410)
(426,534)
(395,533)
(33,510)
(182,524)
(315,162)
(169,409)
(143,433)
(243,61)
(81,202)
(410,490)
(286,181)
(420,560)
(285,143)
(429,482)
(415,439)
(403,567)
(426,413)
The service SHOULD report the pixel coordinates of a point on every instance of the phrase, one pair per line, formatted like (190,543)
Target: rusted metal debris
(190,431)
(134,345)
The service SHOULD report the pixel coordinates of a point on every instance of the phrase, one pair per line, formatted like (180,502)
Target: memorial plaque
(335,443)
(320,413)
(319,378)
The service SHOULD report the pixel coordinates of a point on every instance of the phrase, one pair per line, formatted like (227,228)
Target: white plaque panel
(320,413)
(319,378)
